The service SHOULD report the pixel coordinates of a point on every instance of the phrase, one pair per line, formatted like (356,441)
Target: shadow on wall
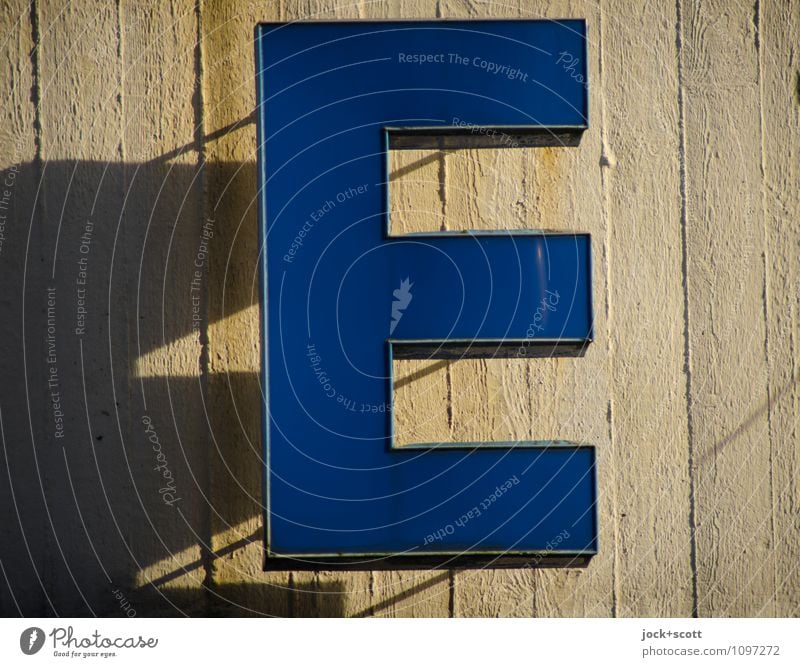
(128,450)
(131,409)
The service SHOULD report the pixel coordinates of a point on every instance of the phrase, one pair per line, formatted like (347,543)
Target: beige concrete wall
(127,150)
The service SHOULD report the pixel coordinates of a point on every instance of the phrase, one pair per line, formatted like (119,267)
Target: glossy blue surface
(337,288)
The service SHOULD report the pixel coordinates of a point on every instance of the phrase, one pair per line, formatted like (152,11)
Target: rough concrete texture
(128,185)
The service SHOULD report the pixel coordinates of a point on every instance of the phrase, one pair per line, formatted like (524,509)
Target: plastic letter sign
(342,295)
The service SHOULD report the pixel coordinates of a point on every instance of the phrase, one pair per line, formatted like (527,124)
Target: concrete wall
(129,400)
